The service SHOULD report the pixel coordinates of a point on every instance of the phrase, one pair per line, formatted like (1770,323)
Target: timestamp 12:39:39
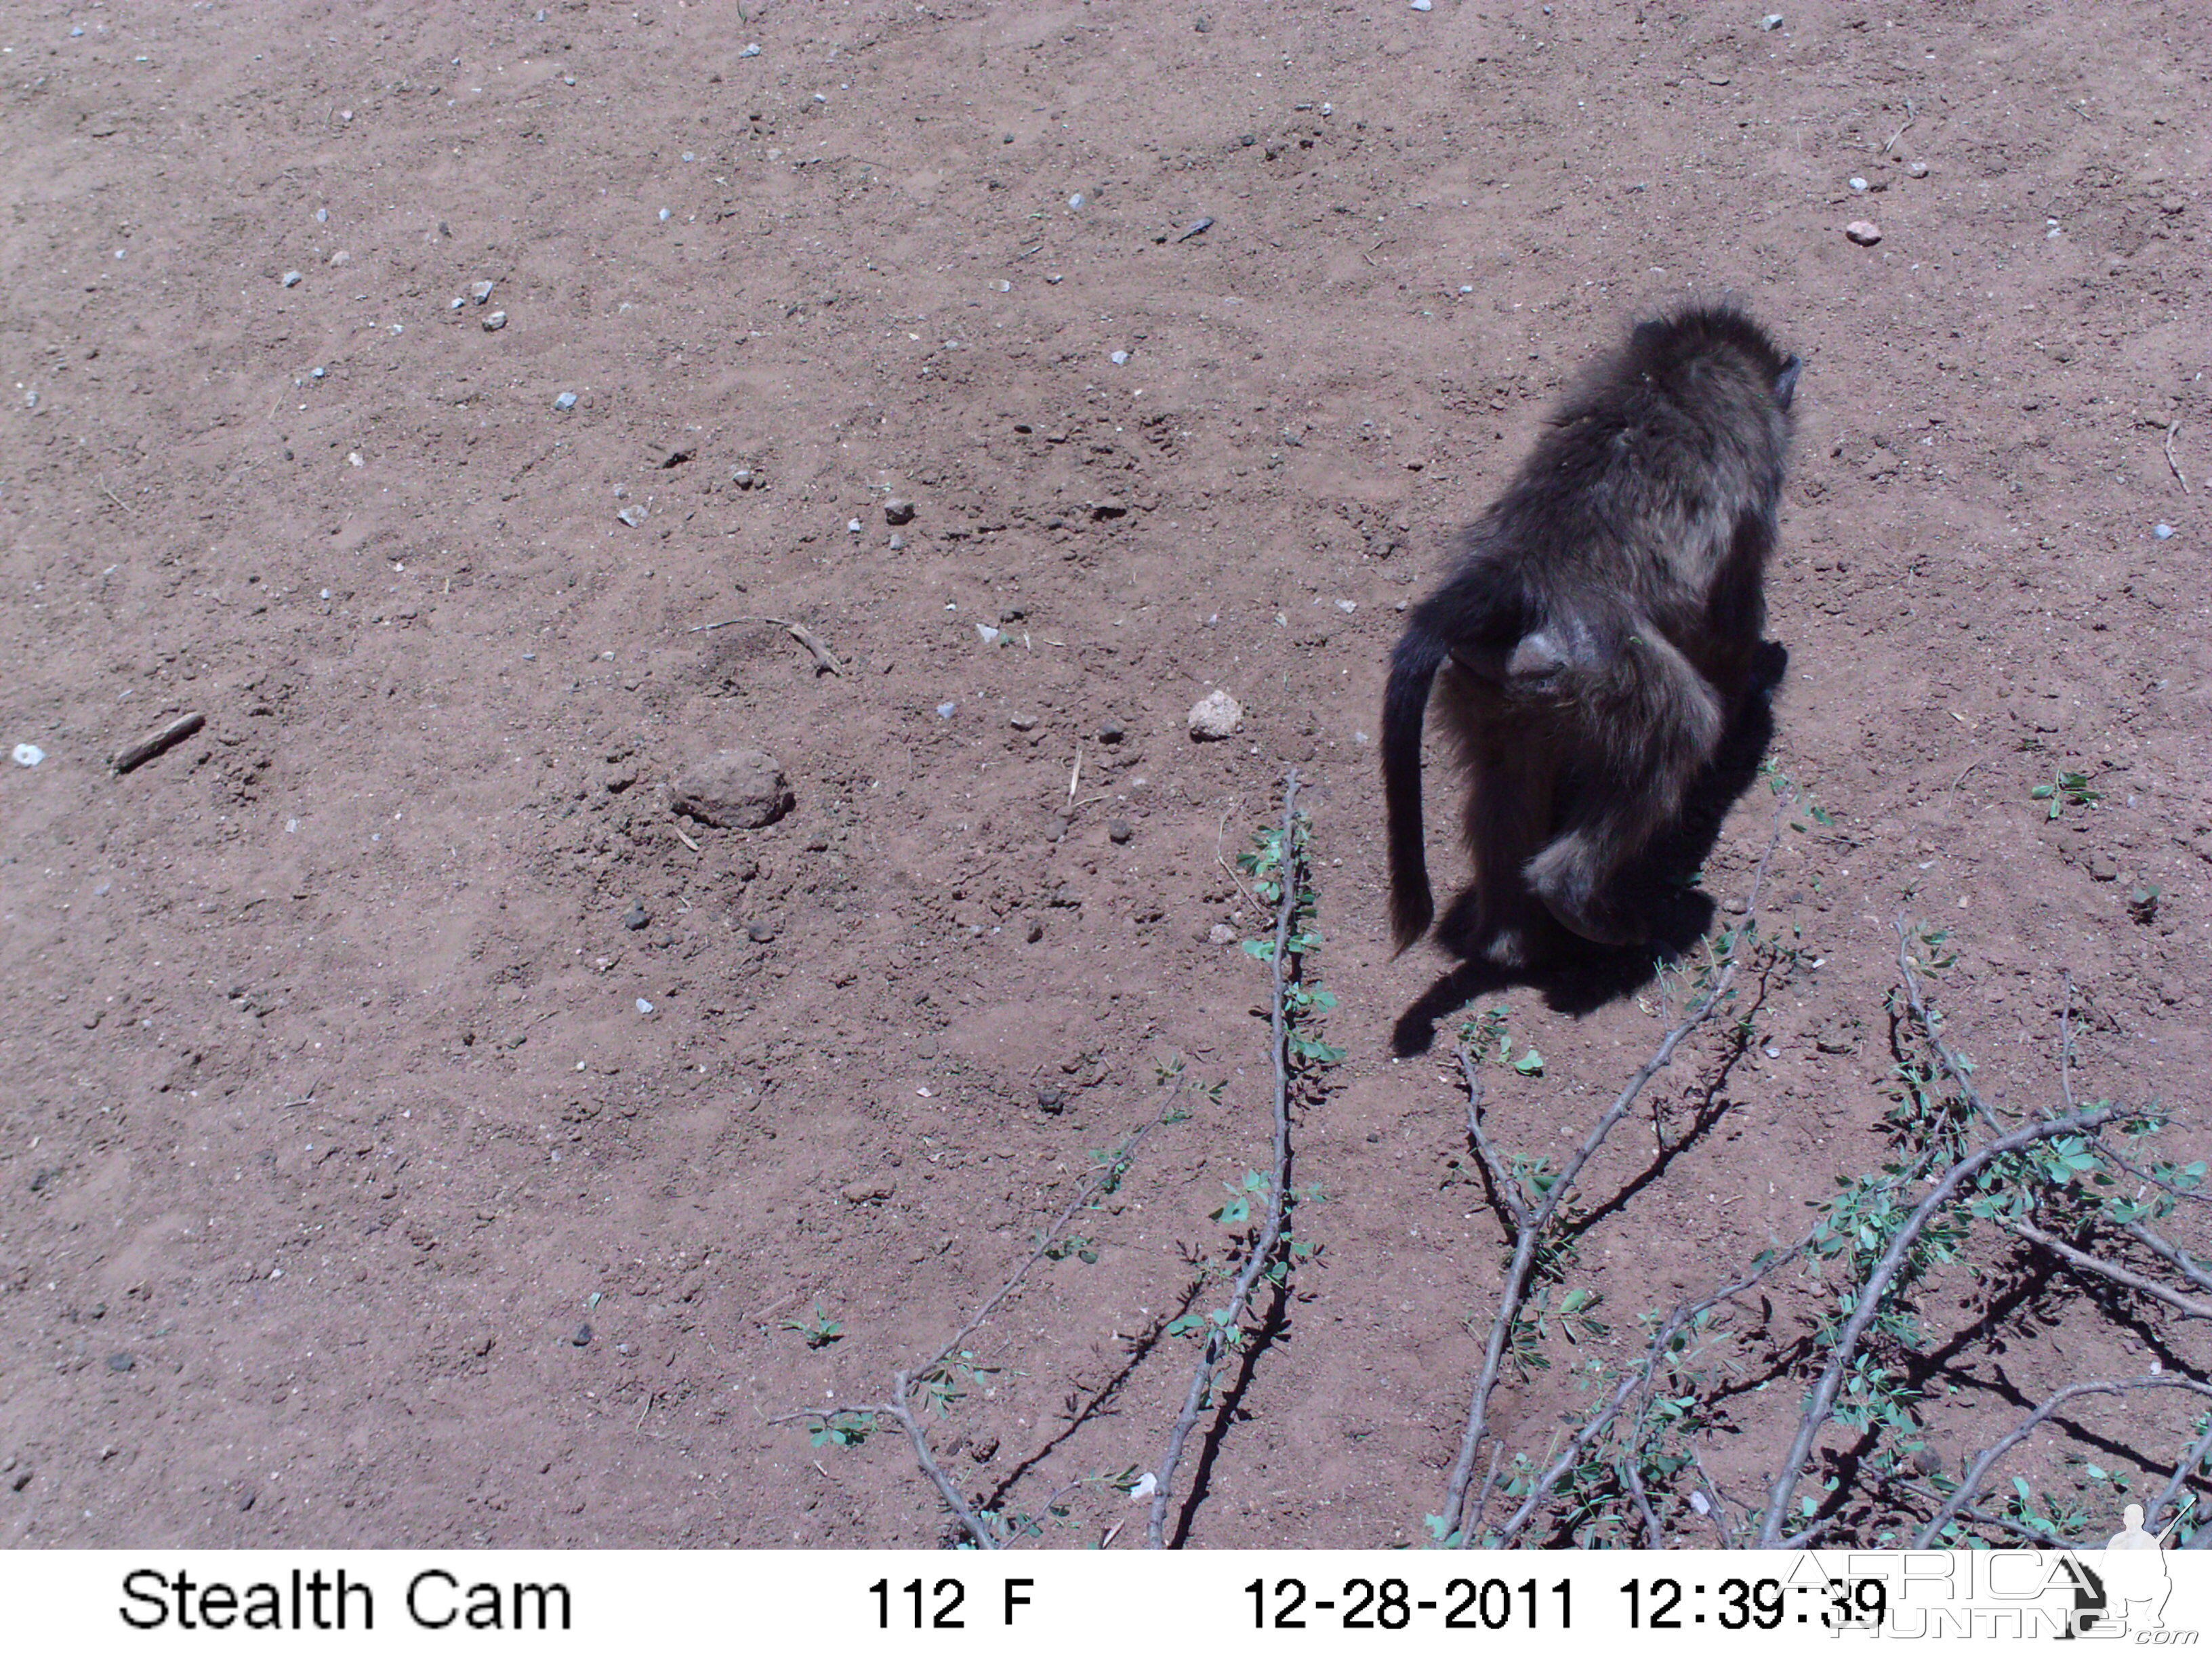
(1756,1603)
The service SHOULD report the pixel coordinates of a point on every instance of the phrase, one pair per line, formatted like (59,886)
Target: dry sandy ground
(332,1114)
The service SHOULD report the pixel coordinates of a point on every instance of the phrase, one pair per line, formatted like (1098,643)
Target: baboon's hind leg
(1646,730)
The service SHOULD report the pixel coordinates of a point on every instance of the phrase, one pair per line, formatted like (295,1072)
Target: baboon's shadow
(1656,887)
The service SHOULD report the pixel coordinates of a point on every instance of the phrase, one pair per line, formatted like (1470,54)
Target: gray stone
(1864,232)
(733,789)
(898,510)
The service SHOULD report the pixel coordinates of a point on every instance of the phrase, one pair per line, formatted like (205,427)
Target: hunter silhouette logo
(2129,1593)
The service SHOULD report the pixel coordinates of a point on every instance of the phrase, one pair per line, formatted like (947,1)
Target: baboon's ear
(1785,383)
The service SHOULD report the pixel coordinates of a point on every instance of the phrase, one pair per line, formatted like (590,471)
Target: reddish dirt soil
(331,1114)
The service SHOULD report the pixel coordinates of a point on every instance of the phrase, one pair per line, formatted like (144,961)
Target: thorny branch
(1530,1230)
(1961,1500)
(1871,1294)
(1228,1320)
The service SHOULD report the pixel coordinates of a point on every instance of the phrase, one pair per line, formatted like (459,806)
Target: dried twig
(1970,1487)
(1910,117)
(2187,1307)
(824,657)
(1075,772)
(2179,1259)
(2172,432)
(154,742)
(1512,1292)
(1870,1296)
(1219,1325)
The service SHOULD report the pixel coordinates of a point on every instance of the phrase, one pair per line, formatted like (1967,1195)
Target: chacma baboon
(1596,633)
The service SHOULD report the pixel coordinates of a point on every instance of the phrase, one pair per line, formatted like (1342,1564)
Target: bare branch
(1876,1287)
(2181,1260)
(2187,1307)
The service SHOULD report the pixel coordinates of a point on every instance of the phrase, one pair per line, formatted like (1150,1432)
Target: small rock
(292,279)
(122,1362)
(480,291)
(897,542)
(984,1449)
(1117,358)
(20,1480)
(818,842)
(28,754)
(1221,933)
(1022,722)
(761,932)
(1771,23)
(1051,1100)
(1916,169)
(1422,5)
(1864,232)
(1111,732)
(643,1006)
(898,510)
(733,789)
(1214,716)
(751,51)
(1118,832)
(944,710)
(637,921)
(1013,613)
(1856,184)
(632,516)
(566,400)
(743,478)
(866,1191)
(1035,932)
(583,1336)
(2161,531)
(2101,868)
(495,322)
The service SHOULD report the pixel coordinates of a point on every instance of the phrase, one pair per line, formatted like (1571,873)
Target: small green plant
(841,1429)
(820,1331)
(2065,789)
(1083,1249)
(1488,1039)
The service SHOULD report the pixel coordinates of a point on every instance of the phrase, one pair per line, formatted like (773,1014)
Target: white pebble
(566,400)
(291,279)
(1864,232)
(495,322)
(1858,184)
(1771,23)
(752,51)
(853,525)
(1215,715)
(1118,357)
(643,1006)
(1075,200)
(1422,5)
(2162,531)
(944,710)
(28,754)
(664,216)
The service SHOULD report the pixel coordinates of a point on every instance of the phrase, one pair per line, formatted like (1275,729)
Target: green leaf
(1530,1064)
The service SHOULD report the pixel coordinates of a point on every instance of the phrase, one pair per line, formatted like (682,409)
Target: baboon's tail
(1413,666)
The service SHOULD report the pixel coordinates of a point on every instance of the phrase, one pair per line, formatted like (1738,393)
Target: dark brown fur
(1596,633)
